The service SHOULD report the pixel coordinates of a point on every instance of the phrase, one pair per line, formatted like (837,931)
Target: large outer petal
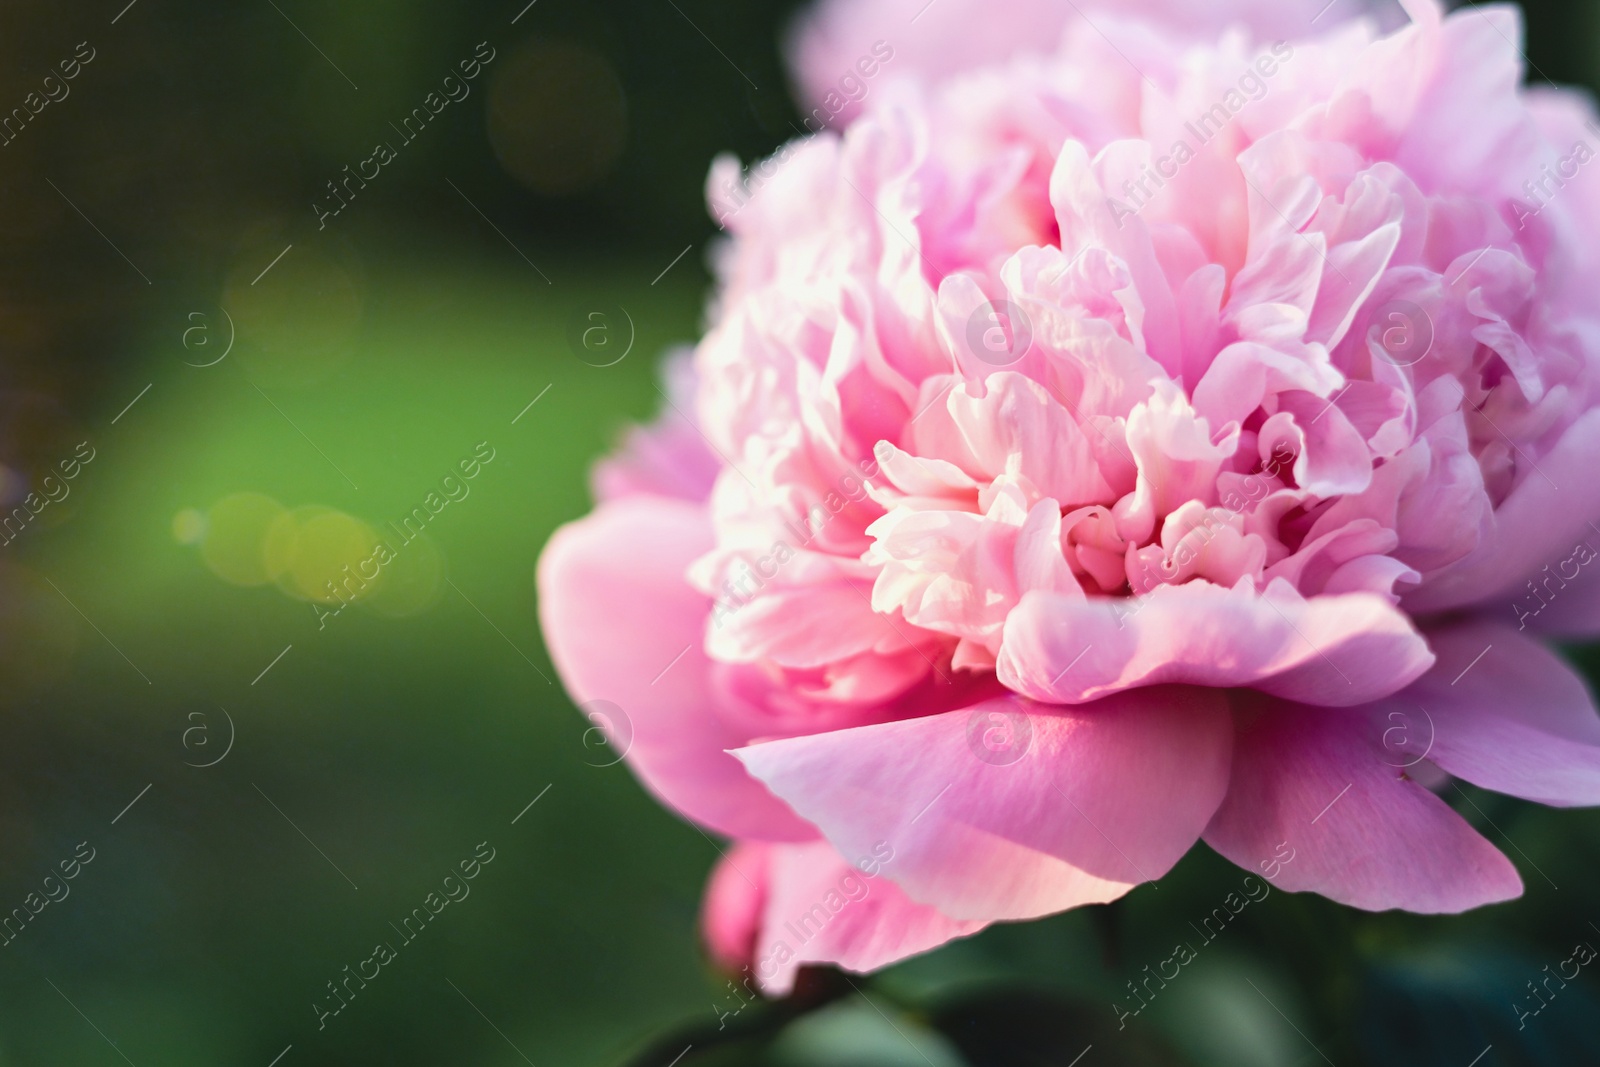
(1104,798)
(1546,515)
(1503,712)
(1321,782)
(1331,650)
(623,625)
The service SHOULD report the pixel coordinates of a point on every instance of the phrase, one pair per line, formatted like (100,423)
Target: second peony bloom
(1098,452)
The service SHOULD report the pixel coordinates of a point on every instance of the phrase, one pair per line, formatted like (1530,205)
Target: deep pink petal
(735,897)
(1563,598)
(1503,712)
(1313,784)
(821,909)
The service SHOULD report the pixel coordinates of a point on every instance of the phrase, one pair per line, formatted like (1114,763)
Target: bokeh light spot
(189,526)
(234,541)
(412,580)
(283,545)
(558,117)
(332,561)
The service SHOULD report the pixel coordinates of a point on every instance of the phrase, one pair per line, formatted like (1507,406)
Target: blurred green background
(357,758)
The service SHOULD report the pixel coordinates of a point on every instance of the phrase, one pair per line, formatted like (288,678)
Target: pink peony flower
(1145,443)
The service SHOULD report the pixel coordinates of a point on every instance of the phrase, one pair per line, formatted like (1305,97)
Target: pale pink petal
(817,610)
(623,625)
(1549,512)
(1084,803)
(1015,428)
(1244,374)
(838,49)
(1331,457)
(667,458)
(1333,650)
(1178,455)
(1312,567)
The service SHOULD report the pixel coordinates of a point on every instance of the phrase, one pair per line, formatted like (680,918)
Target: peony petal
(1503,712)
(1015,427)
(623,625)
(1178,457)
(815,613)
(1244,374)
(1314,804)
(1329,650)
(1011,810)
(1546,515)
(670,456)
(735,897)
(820,909)
(1333,458)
